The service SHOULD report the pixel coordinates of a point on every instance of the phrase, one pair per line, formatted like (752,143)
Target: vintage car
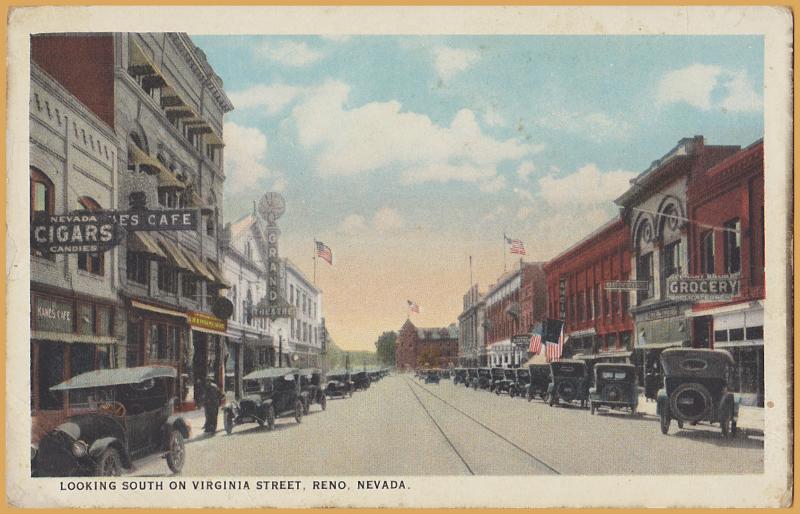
(522,379)
(360,380)
(483,380)
(338,384)
(568,382)
(312,382)
(615,387)
(269,393)
(504,384)
(445,374)
(539,381)
(432,377)
(471,378)
(696,389)
(459,376)
(115,417)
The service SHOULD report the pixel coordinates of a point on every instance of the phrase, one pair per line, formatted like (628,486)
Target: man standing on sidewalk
(213,397)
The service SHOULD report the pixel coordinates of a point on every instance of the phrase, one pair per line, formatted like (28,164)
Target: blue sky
(408,154)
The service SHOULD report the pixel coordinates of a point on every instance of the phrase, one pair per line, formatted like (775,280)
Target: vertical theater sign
(274,305)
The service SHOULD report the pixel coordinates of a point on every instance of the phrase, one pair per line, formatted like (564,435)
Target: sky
(406,155)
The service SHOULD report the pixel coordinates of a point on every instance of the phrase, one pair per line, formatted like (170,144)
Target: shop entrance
(199,365)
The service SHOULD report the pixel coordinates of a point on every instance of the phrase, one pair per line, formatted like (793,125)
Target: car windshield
(136,398)
(287,383)
(257,386)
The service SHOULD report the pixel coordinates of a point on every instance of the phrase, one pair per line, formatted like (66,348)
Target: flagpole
(315,261)
(504,252)
(470,271)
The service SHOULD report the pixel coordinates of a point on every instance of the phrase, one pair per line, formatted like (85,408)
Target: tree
(385,347)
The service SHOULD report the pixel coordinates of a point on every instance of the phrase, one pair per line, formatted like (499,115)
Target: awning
(209,331)
(739,344)
(142,159)
(197,263)
(659,346)
(140,62)
(218,276)
(582,333)
(167,179)
(64,337)
(144,243)
(725,309)
(605,355)
(154,308)
(197,201)
(175,255)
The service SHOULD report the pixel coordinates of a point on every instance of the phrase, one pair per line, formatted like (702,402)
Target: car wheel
(176,452)
(306,406)
(323,403)
(512,393)
(680,424)
(665,421)
(298,411)
(552,399)
(228,422)
(109,464)
(271,417)
(530,397)
(591,408)
(497,391)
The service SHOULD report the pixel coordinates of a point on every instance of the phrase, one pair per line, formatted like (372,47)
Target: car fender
(100,445)
(662,401)
(551,388)
(175,422)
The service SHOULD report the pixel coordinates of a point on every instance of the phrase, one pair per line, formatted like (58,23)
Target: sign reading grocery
(626,285)
(206,321)
(706,288)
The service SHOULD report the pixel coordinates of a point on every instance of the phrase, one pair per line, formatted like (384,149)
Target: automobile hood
(90,427)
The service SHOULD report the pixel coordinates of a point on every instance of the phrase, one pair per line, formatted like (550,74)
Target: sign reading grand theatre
(274,306)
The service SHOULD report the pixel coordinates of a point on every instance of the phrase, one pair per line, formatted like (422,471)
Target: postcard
(399,257)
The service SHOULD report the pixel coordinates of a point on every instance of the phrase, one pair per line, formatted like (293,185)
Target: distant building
(305,335)
(426,347)
(471,333)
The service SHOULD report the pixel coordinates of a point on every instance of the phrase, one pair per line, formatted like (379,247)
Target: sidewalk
(750,418)
(196,419)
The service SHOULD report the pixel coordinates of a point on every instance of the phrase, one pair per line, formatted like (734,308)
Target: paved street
(401,426)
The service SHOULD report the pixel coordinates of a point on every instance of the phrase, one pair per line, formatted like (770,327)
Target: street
(400,426)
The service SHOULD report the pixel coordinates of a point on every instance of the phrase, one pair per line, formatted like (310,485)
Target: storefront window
(134,345)
(736,334)
(53,315)
(51,372)
(85,318)
(104,357)
(81,358)
(720,336)
(104,320)
(755,333)
(733,246)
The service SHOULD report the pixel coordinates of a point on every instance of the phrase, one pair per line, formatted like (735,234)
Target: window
(164,340)
(248,316)
(736,334)
(707,252)
(291,294)
(755,333)
(581,310)
(210,225)
(92,262)
(137,267)
(188,285)
(644,271)
(248,250)
(720,335)
(167,278)
(51,372)
(42,201)
(733,246)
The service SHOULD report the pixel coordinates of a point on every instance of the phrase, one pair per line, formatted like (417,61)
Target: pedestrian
(213,397)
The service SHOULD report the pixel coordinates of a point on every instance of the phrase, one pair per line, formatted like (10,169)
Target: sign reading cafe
(271,207)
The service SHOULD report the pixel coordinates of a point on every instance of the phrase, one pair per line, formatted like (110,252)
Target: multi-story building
(73,159)
(656,212)
(305,334)
(728,201)
(513,307)
(426,347)
(471,335)
(165,105)
(597,324)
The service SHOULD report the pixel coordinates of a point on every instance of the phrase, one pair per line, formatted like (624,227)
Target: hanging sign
(79,232)
(706,288)
(626,285)
(173,219)
(274,306)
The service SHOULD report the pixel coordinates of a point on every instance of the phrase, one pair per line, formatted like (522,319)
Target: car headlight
(79,449)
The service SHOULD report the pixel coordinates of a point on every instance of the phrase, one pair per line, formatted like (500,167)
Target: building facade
(597,323)
(305,334)
(729,199)
(471,329)
(656,211)
(426,347)
(514,305)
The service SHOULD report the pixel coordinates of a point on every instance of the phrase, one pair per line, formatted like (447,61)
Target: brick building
(426,347)
(596,322)
(513,306)
(471,329)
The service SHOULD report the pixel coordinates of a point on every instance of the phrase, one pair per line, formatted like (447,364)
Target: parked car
(360,380)
(484,379)
(472,377)
(312,383)
(539,381)
(432,377)
(459,375)
(445,374)
(568,383)
(338,384)
(696,389)
(615,387)
(522,379)
(269,393)
(504,384)
(115,417)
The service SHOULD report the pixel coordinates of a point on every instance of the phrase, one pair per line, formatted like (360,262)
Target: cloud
(706,86)
(245,152)
(337,38)
(524,194)
(596,126)
(494,185)
(273,98)
(525,169)
(524,212)
(387,220)
(450,62)
(353,224)
(381,136)
(290,53)
(587,186)
(492,118)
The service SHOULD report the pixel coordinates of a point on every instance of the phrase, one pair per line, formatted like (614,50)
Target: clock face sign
(271,206)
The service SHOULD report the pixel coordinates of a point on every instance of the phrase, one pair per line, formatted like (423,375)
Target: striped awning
(197,264)
(218,276)
(175,255)
(144,243)
(149,164)
(168,179)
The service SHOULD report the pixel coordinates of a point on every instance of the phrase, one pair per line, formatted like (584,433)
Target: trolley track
(462,449)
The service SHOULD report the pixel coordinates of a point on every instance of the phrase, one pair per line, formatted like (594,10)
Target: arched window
(42,200)
(91,262)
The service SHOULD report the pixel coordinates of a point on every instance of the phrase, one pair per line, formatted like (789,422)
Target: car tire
(306,406)
(552,399)
(680,424)
(176,451)
(298,411)
(227,421)
(497,391)
(270,417)
(512,393)
(699,392)
(323,403)
(665,421)
(109,464)
(591,408)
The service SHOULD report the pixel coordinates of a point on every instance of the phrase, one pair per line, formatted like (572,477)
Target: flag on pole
(324,252)
(536,340)
(553,338)
(517,246)
(413,307)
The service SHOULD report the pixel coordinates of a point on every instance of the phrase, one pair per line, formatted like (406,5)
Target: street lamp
(280,347)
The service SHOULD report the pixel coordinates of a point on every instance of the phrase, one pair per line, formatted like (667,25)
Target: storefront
(70,335)
(207,335)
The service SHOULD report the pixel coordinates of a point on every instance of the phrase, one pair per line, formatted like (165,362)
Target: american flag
(553,339)
(536,340)
(324,252)
(517,246)
(413,307)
